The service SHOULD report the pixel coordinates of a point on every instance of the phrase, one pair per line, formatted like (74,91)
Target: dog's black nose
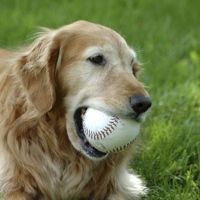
(140,103)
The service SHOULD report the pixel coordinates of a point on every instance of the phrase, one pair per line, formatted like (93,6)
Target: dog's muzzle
(139,104)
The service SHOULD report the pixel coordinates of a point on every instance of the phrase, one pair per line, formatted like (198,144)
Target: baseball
(108,133)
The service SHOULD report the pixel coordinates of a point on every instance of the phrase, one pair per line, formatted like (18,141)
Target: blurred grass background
(166,36)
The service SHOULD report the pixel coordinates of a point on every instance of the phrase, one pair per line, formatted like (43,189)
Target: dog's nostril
(140,103)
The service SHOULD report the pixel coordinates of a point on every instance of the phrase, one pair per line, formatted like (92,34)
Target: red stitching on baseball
(107,130)
(103,134)
(123,147)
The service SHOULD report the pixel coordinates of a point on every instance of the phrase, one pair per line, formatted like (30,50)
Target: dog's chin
(88,150)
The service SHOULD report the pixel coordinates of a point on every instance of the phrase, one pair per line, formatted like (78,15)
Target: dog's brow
(133,53)
(93,50)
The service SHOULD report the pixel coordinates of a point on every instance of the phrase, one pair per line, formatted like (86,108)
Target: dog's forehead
(94,32)
(89,39)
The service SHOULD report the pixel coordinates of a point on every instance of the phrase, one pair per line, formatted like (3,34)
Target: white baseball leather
(107,133)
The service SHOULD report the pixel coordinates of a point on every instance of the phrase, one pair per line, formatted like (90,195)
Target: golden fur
(41,86)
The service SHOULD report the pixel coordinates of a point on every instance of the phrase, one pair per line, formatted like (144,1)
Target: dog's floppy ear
(36,71)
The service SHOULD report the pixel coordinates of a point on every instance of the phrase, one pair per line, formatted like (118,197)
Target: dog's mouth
(88,148)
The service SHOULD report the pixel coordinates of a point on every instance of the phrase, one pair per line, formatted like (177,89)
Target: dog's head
(83,65)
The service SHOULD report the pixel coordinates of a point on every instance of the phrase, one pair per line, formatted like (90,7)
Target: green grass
(166,35)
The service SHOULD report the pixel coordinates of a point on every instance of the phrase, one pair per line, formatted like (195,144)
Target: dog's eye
(97,60)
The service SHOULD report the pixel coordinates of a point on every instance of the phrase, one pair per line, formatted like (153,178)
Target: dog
(44,153)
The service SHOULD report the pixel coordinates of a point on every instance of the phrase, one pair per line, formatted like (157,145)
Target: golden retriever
(44,153)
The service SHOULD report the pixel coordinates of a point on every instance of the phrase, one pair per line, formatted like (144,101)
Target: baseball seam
(107,130)
(121,147)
